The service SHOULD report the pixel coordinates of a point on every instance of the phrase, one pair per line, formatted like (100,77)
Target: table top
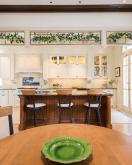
(109,147)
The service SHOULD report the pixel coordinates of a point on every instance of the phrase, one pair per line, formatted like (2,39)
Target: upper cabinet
(7,66)
(100,66)
(28,63)
(62,66)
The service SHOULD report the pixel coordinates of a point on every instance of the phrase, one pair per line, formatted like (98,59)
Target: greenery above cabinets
(65,38)
(100,66)
(119,37)
(40,38)
(12,38)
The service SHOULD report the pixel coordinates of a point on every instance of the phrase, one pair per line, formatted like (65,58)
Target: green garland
(49,38)
(114,37)
(12,37)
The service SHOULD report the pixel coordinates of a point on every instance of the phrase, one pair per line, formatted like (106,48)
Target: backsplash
(62,82)
(89,83)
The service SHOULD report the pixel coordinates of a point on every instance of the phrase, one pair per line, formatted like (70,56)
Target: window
(127,79)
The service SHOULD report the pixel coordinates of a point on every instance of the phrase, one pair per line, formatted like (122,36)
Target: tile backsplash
(68,83)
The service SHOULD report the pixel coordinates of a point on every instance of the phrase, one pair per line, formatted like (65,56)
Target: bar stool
(7,111)
(94,98)
(32,105)
(64,103)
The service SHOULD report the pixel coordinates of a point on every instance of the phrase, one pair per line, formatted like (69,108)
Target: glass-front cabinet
(67,66)
(100,66)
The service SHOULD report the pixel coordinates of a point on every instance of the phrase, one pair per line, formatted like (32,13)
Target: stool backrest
(64,92)
(95,91)
(28,91)
(7,111)
(94,97)
(64,97)
(29,96)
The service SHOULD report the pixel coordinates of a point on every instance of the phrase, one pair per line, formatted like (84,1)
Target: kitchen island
(79,97)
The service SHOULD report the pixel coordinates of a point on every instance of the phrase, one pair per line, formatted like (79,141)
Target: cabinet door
(45,67)
(62,71)
(4,97)
(81,67)
(100,66)
(81,71)
(13,98)
(53,67)
(62,67)
(53,71)
(72,70)
(5,67)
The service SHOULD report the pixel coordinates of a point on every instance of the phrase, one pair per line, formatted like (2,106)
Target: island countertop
(79,97)
(75,92)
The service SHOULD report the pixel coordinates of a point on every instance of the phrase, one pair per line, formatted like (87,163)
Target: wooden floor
(120,122)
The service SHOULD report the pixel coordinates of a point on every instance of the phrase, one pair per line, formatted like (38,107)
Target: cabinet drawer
(3,92)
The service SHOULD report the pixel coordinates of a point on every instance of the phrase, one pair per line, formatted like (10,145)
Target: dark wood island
(79,97)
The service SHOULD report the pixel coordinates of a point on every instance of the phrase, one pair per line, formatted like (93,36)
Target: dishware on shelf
(67,150)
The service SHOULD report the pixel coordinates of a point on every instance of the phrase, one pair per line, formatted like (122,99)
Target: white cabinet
(5,72)
(9,97)
(7,66)
(4,98)
(57,67)
(77,66)
(72,71)
(62,71)
(81,71)
(100,66)
(53,71)
(13,98)
(28,63)
(65,67)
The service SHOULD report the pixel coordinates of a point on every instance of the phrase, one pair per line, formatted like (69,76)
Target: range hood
(28,63)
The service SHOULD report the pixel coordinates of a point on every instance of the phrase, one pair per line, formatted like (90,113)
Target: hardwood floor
(120,122)
(123,128)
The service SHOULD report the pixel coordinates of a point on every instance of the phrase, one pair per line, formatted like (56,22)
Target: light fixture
(79,1)
(124,1)
(50,2)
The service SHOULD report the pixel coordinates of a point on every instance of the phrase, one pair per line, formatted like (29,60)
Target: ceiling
(64,2)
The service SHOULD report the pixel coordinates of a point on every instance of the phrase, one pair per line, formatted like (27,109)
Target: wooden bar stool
(32,105)
(94,98)
(64,103)
(7,111)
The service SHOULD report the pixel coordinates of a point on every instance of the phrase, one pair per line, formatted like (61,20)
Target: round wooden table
(109,147)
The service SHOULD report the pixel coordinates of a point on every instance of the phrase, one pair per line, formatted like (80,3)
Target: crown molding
(65,8)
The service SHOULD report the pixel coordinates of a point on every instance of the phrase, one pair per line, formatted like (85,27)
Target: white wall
(62,21)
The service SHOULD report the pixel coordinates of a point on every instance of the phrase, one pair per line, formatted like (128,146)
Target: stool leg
(35,120)
(86,115)
(59,116)
(10,124)
(99,116)
(43,116)
(70,115)
(89,115)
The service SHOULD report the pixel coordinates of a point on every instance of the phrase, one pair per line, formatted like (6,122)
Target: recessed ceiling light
(124,1)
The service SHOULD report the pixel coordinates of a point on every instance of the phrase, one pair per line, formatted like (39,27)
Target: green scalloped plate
(67,150)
